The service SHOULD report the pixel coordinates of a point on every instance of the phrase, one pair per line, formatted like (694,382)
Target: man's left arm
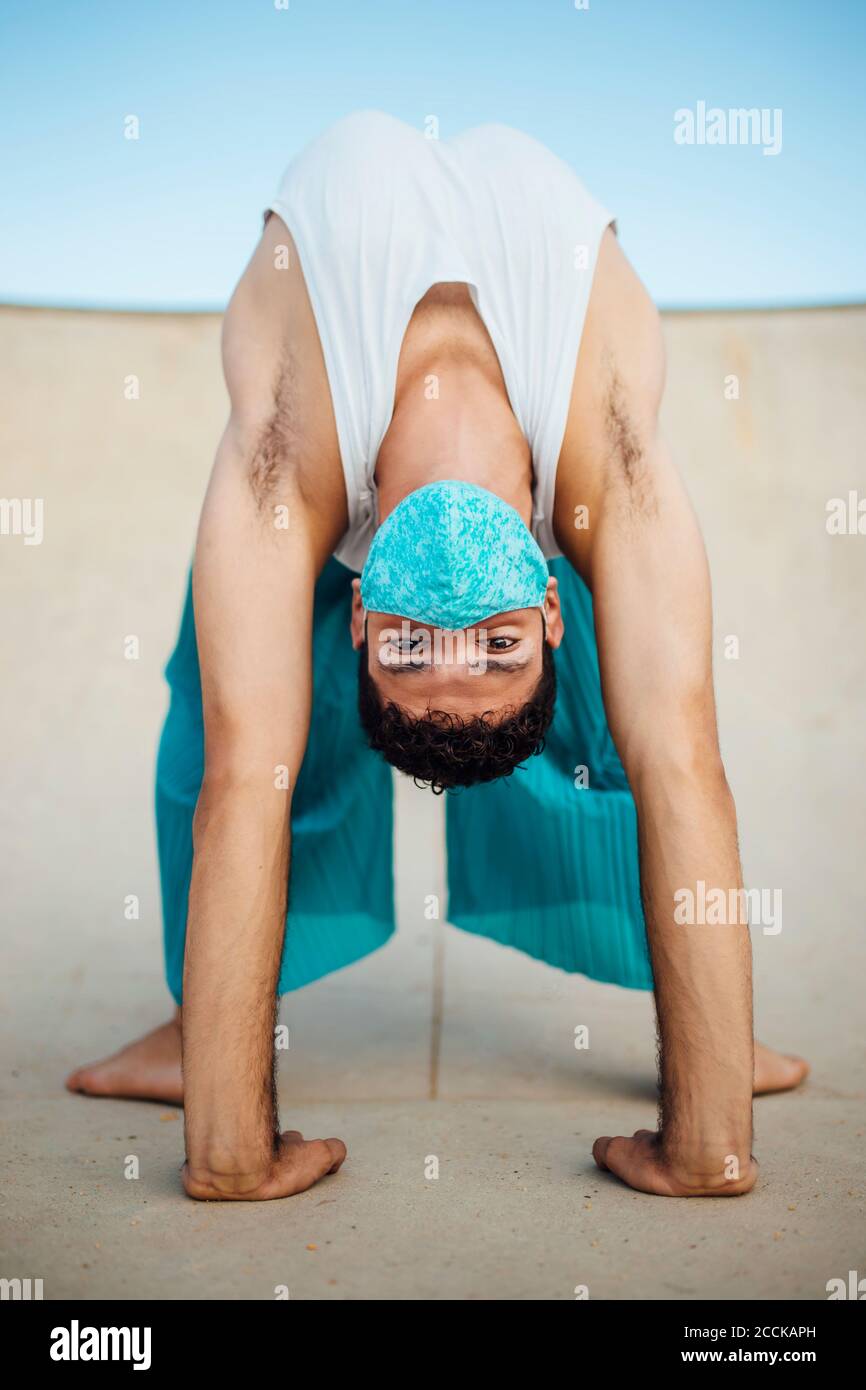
(644,560)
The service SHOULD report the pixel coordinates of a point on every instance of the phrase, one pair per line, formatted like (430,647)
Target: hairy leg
(150,1069)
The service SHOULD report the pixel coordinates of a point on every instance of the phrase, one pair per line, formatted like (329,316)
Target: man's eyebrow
(519,663)
(504,663)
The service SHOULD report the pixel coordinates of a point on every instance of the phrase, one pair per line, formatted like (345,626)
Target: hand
(297,1164)
(644,1164)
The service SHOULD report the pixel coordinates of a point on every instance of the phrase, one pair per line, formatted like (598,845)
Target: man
(443,371)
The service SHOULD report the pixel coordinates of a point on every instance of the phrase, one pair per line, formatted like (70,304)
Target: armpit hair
(626,450)
(625,444)
(276,446)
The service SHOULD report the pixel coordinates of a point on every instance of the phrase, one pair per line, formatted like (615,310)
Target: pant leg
(546,866)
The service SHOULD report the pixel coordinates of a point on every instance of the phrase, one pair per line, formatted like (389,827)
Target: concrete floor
(441,1045)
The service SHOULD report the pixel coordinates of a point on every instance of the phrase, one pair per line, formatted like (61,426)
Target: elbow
(679,769)
(253,788)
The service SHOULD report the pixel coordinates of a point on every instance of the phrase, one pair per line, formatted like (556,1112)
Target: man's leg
(342,900)
(149,1069)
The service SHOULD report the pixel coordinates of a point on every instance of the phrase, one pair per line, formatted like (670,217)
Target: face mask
(451,555)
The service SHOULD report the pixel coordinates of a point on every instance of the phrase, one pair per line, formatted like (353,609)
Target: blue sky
(227,91)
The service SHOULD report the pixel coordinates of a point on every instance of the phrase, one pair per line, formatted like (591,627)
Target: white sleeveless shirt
(379,213)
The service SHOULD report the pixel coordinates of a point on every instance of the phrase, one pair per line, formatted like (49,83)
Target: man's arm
(262,540)
(644,560)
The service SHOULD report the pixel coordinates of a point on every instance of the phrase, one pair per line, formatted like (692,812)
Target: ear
(553,614)
(356,623)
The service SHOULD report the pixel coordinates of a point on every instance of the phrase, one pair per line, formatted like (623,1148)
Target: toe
(86,1080)
(799,1069)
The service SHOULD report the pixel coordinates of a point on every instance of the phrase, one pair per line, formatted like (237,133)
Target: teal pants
(545,860)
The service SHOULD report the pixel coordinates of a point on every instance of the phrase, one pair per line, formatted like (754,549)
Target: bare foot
(148,1069)
(774,1071)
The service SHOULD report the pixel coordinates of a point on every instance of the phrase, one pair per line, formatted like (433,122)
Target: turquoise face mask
(451,555)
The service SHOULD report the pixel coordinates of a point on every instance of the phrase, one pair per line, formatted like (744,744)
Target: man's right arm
(263,537)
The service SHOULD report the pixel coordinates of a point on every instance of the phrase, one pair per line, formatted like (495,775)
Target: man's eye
(402,645)
(501,644)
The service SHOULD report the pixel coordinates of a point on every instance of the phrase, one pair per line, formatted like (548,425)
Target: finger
(599,1151)
(338,1153)
(319,1158)
(619,1156)
(324,1155)
(336,1146)
(302,1165)
(629,1161)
